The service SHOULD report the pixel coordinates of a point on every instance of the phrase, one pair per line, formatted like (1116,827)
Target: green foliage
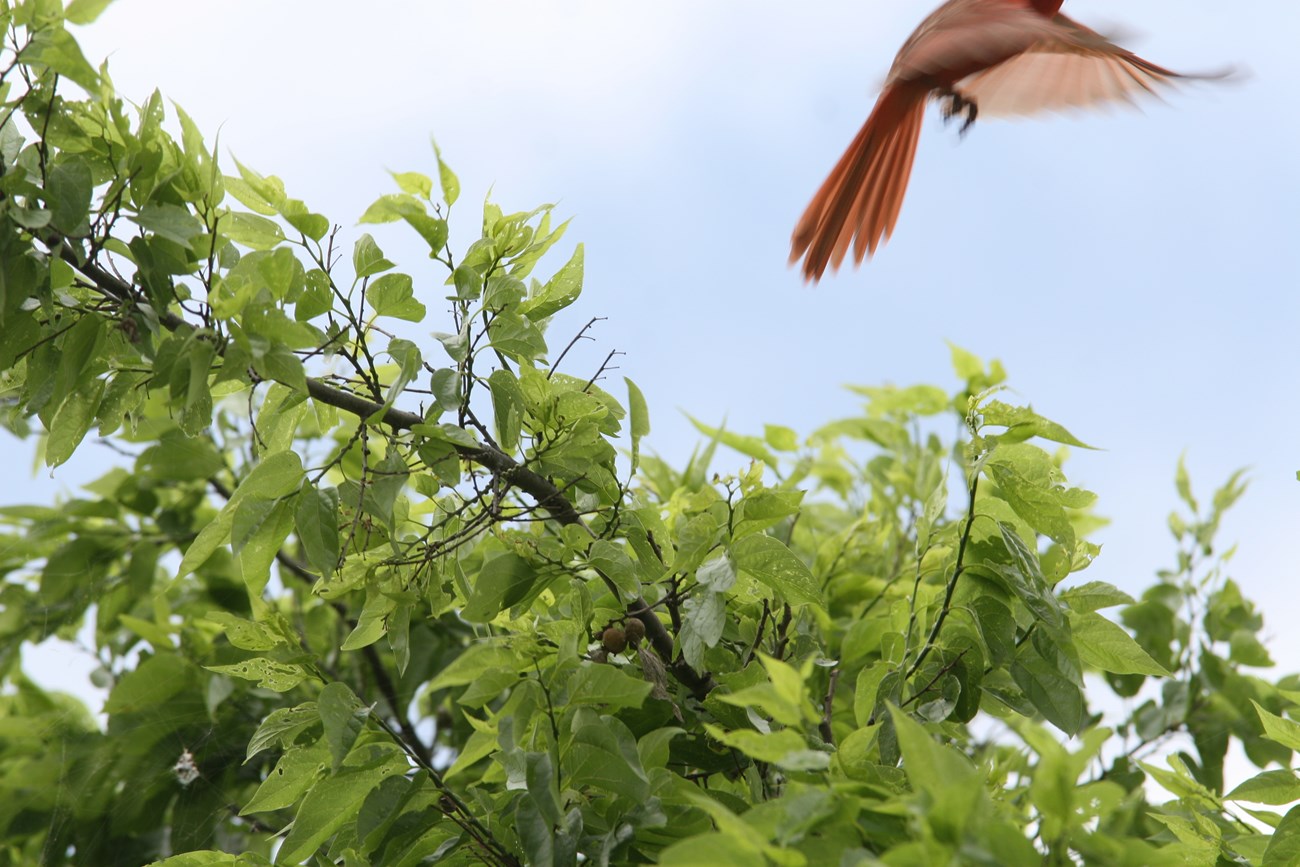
(361,597)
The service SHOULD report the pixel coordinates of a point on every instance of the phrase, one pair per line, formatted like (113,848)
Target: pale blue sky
(1135,271)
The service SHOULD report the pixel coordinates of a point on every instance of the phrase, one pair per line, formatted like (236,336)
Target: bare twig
(827,704)
(579,336)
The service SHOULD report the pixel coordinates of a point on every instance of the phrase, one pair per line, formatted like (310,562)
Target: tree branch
(958,568)
(543,491)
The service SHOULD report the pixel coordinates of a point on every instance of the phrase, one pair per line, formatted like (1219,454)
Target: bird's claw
(960,105)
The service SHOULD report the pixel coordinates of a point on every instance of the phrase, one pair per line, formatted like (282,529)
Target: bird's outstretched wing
(1073,67)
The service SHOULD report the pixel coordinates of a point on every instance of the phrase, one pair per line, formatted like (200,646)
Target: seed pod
(635,630)
(614,639)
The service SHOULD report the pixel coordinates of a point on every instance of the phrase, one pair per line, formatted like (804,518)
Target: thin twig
(827,704)
(581,333)
(956,574)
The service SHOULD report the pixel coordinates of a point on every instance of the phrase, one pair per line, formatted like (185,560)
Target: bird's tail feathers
(859,202)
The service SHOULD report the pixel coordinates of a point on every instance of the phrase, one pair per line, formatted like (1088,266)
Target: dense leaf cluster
(362,595)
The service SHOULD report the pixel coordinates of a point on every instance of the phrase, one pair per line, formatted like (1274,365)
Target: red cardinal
(991,57)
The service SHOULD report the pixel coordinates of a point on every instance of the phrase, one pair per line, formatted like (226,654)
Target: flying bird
(985,58)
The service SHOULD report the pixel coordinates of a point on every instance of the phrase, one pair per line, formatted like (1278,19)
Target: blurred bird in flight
(985,58)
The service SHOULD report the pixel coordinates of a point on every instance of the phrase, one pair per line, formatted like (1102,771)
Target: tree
(364,599)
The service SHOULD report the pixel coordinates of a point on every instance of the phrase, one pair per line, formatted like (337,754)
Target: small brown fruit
(599,655)
(635,630)
(614,639)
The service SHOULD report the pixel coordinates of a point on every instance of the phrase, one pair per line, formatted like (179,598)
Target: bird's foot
(958,105)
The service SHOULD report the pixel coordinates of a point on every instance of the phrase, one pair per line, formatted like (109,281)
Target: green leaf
(1105,645)
(638,416)
(277,476)
(257,532)
(279,363)
(72,421)
(368,259)
(56,49)
(153,682)
(536,834)
(781,438)
(213,535)
(516,337)
(78,356)
(399,636)
(196,413)
(1050,684)
(1027,481)
(316,524)
(391,207)
(468,282)
(279,676)
(895,402)
(1180,781)
(456,345)
(655,747)
(282,726)
(335,800)
(251,230)
(68,190)
(373,622)
(1284,848)
(1278,729)
(157,635)
(606,685)
(867,689)
(209,857)
(403,206)
(559,292)
(711,849)
(450,185)
(477,660)
(85,11)
(31,218)
(446,433)
(1025,578)
(503,581)
(172,222)
(1094,596)
(770,562)
(704,617)
(296,214)
(343,716)
(413,183)
(1183,483)
(503,291)
(508,408)
(409,361)
(1270,787)
(1022,423)
(764,508)
(769,698)
(750,446)
(595,758)
(480,745)
(718,574)
(260,195)
(295,772)
(613,561)
(392,295)
(931,767)
(785,748)
(317,297)
(967,365)
(245,634)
